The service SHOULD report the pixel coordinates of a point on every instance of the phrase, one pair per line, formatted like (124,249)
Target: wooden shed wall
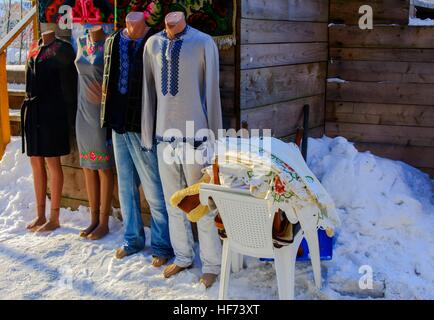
(386,104)
(283,62)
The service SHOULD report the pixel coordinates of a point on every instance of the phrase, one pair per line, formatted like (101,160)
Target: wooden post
(5,130)
(35,23)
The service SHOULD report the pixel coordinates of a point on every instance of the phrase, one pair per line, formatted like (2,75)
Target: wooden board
(382,37)
(293,10)
(386,114)
(284,118)
(317,132)
(267,86)
(393,93)
(408,136)
(379,54)
(384,11)
(384,71)
(75,188)
(421,157)
(227,56)
(264,55)
(269,31)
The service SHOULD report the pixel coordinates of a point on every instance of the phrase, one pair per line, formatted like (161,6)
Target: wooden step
(16,73)
(15,122)
(16,97)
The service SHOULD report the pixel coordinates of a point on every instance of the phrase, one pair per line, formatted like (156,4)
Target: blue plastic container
(325,248)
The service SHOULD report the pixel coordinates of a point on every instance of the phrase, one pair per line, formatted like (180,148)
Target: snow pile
(387,224)
(387,219)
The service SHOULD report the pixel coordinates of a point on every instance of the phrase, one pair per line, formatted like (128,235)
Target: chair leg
(313,244)
(284,273)
(309,227)
(237,262)
(225,270)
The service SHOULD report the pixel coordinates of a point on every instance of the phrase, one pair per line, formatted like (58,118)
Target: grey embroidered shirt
(180,84)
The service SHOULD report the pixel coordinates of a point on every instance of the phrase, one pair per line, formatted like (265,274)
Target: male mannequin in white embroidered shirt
(180,86)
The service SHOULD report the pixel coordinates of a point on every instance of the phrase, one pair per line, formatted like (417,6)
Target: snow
(386,209)
(16,87)
(421,22)
(336,80)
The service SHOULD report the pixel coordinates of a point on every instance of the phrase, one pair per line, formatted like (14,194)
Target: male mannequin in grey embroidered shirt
(180,86)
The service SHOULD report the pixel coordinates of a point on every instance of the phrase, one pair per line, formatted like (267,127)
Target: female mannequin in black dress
(47,116)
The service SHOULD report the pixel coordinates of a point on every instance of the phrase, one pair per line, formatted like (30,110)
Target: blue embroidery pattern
(124,55)
(164,69)
(124,65)
(175,51)
(174,68)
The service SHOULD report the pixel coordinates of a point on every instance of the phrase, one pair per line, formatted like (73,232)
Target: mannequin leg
(56,185)
(40,186)
(106,178)
(93,194)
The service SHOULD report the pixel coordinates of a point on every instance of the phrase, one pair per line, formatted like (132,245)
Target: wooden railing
(5,130)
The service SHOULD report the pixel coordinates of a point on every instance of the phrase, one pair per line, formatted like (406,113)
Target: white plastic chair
(248,224)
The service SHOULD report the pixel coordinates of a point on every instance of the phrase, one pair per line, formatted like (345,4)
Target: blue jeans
(136,166)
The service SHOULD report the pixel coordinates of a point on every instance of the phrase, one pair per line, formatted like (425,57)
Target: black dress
(48,112)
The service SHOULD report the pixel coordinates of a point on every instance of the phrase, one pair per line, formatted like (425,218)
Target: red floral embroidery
(279,187)
(34,49)
(287,166)
(94,156)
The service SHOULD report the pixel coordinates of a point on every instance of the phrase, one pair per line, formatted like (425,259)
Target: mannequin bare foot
(35,224)
(208,279)
(84,233)
(100,232)
(121,253)
(172,269)
(49,226)
(158,261)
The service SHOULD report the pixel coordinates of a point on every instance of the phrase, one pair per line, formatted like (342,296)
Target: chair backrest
(248,220)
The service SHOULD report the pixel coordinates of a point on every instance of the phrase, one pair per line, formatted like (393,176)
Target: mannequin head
(48,37)
(96,34)
(175,23)
(136,26)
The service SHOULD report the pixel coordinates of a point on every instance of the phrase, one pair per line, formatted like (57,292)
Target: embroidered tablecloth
(274,170)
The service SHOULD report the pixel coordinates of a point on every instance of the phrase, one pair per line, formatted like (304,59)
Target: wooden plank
(73,158)
(265,55)
(268,31)
(384,11)
(317,132)
(75,188)
(5,130)
(386,114)
(227,56)
(227,78)
(293,10)
(412,136)
(382,37)
(392,93)
(74,204)
(284,118)
(408,154)
(17,29)
(265,86)
(378,54)
(227,88)
(376,71)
